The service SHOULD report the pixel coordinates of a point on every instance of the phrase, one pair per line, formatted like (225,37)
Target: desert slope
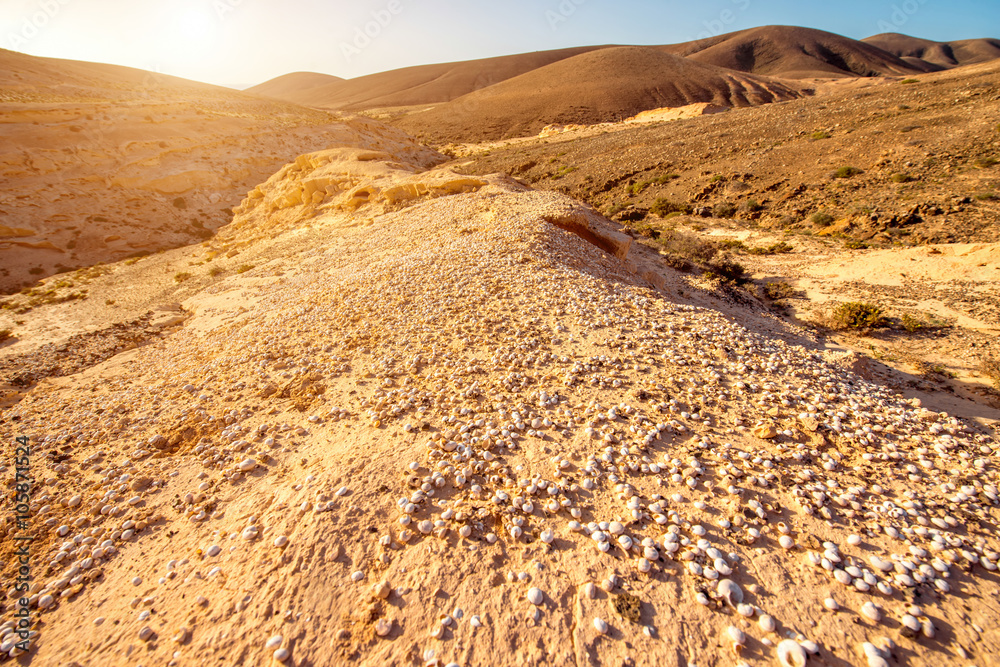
(420,84)
(101,162)
(609,84)
(287,85)
(940,55)
(792,52)
(465,422)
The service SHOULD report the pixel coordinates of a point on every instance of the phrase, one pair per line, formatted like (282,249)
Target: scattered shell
(274,641)
(791,653)
(730,591)
(601,625)
(535,596)
(383,627)
(281,654)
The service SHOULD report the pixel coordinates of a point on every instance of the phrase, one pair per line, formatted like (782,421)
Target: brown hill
(422,84)
(100,162)
(605,85)
(792,52)
(937,55)
(21,73)
(291,84)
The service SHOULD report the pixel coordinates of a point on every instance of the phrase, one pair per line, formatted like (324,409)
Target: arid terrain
(443,377)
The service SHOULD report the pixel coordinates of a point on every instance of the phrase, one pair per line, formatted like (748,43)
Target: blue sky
(242,42)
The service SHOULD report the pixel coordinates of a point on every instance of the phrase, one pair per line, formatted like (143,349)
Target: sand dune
(422,84)
(610,84)
(792,52)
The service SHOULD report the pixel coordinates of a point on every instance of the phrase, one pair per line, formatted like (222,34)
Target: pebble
(282,654)
(535,596)
(601,626)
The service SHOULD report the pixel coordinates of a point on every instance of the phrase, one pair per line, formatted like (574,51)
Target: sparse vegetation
(724,210)
(847,172)
(182,276)
(752,206)
(687,246)
(663,207)
(637,188)
(989,366)
(901,178)
(821,134)
(911,323)
(986,196)
(778,248)
(909,81)
(5,335)
(775,290)
(822,219)
(244,268)
(852,244)
(986,162)
(216,270)
(726,268)
(858,315)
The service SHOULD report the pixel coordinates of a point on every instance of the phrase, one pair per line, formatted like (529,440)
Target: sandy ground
(458,387)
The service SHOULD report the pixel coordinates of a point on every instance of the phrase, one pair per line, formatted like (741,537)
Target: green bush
(726,268)
(855,245)
(858,315)
(847,172)
(986,162)
(821,134)
(911,323)
(901,178)
(822,219)
(909,81)
(752,206)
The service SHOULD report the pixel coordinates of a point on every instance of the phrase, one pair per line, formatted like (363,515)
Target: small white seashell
(535,596)
(786,542)
(871,612)
(831,604)
(590,590)
(600,625)
(281,654)
(274,641)
(214,550)
(730,591)
(737,636)
(791,653)
(280,541)
(475,622)
(136,581)
(248,464)
(766,623)
(357,576)
(145,633)
(383,627)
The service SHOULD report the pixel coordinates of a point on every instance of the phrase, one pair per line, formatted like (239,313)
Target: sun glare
(195,25)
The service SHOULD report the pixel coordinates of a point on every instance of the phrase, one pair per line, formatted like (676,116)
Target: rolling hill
(936,55)
(792,52)
(421,84)
(609,84)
